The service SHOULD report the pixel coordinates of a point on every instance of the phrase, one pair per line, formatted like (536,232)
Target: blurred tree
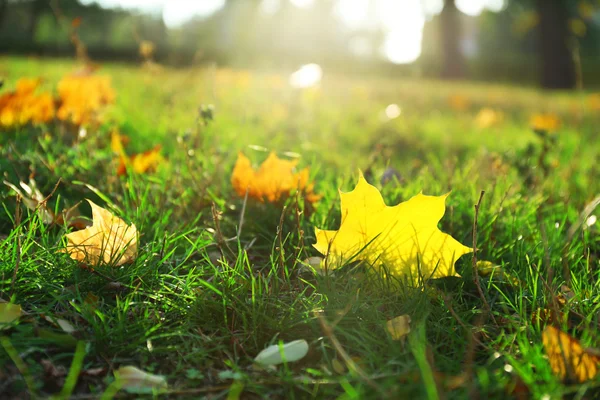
(453,61)
(3,8)
(558,68)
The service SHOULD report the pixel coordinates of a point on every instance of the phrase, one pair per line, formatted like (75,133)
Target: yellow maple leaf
(568,359)
(274,179)
(404,238)
(108,241)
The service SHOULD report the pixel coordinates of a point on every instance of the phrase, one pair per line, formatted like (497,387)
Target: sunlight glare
(471,7)
(177,12)
(270,7)
(353,13)
(404,21)
(432,7)
(393,111)
(496,5)
(302,3)
(307,76)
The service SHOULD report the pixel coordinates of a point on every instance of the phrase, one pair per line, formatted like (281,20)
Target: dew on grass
(591,220)
(508,368)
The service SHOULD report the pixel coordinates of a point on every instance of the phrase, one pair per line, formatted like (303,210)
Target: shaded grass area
(213,285)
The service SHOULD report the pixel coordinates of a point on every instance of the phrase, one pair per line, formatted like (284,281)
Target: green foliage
(211,288)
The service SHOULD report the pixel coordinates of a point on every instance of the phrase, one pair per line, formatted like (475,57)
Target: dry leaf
(140,163)
(61,323)
(35,201)
(568,359)
(108,241)
(398,327)
(274,180)
(488,117)
(488,268)
(135,380)
(545,122)
(403,238)
(9,313)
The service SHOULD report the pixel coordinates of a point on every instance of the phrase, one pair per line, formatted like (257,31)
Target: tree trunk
(453,66)
(557,66)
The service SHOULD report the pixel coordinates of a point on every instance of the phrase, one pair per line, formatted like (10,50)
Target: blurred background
(552,43)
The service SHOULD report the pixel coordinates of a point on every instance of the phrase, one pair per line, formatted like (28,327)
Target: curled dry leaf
(135,380)
(273,181)
(108,241)
(568,359)
(276,354)
(398,327)
(404,238)
(35,201)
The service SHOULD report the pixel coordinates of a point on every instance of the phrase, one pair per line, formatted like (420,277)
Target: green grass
(198,311)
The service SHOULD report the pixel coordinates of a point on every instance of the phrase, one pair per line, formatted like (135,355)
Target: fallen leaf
(545,122)
(139,163)
(61,323)
(398,327)
(276,354)
(35,201)
(404,238)
(568,359)
(135,380)
(338,367)
(488,117)
(108,241)
(54,374)
(9,313)
(459,102)
(274,180)
(488,268)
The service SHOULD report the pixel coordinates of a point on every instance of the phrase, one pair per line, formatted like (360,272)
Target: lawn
(220,276)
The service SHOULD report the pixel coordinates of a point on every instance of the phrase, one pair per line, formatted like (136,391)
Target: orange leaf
(568,359)
(274,179)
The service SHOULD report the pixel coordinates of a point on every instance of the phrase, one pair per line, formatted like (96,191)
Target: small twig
(488,309)
(220,238)
(301,244)
(242,214)
(280,240)
(328,331)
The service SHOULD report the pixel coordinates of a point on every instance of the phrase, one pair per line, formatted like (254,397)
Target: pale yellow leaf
(108,241)
(398,327)
(135,380)
(9,313)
